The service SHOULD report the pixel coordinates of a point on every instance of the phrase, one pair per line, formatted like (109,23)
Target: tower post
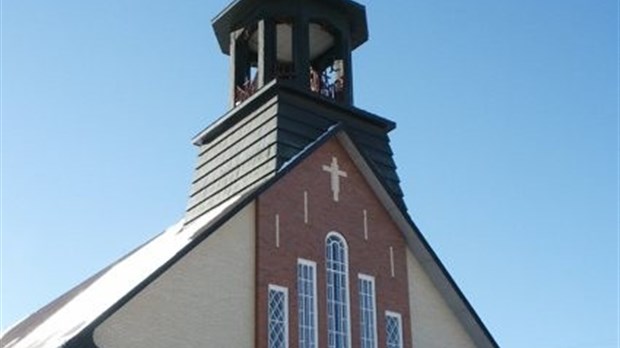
(306,43)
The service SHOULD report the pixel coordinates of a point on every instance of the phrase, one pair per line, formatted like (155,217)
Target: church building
(296,233)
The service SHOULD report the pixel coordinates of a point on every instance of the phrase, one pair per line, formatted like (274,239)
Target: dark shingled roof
(230,17)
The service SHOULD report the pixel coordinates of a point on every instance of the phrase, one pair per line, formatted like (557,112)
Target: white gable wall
(205,299)
(433,324)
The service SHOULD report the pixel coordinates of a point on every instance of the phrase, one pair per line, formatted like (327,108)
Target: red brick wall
(300,240)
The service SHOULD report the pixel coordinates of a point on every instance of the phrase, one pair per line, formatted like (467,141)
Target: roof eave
(422,249)
(416,241)
(224,23)
(263,98)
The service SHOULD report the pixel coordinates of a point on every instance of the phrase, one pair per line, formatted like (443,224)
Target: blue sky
(507,144)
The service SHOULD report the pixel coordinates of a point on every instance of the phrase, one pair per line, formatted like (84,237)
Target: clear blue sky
(507,144)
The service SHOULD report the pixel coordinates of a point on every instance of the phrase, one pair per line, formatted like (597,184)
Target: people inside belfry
(315,80)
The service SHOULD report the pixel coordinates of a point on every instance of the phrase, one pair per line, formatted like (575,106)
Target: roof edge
(84,338)
(405,222)
(271,90)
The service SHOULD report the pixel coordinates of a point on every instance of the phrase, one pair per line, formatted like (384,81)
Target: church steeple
(307,43)
(290,81)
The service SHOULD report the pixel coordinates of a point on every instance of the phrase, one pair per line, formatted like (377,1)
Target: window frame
(367,278)
(284,291)
(399,320)
(347,300)
(315,320)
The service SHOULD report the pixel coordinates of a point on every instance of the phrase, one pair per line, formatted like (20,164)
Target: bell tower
(306,43)
(290,81)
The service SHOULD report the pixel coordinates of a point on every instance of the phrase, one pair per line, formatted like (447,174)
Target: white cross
(336,173)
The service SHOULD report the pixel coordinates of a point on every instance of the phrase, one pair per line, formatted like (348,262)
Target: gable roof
(70,320)
(62,319)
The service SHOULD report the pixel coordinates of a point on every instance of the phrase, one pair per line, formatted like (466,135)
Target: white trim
(306,262)
(366,277)
(283,290)
(277,230)
(399,318)
(392,262)
(394,314)
(278,288)
(315,303)
(306,207)
(365,224)
(347,294)
(346,245)
(371,279)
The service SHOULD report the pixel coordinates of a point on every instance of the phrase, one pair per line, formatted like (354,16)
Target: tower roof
(238,12)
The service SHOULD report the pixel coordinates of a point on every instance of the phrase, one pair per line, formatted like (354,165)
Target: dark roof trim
(240,10)
(384,123)
(273,89)
(450,280)
(426,247)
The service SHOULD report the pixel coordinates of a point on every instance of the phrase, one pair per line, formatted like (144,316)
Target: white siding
(205,299)
(433,324)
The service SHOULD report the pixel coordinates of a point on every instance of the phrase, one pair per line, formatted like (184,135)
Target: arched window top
(337,238)
(336,249)
(338,323)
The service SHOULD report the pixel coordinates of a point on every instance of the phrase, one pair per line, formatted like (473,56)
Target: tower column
(240,65)
(232,71)
(301,51)
(346,54)
(266,51)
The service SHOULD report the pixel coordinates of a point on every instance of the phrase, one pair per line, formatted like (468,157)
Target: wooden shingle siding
(261,123)
(286,152)
(243,185)
(300,122)
(239,152)
(234,161)
(256,139)
(292,138)
(233,169)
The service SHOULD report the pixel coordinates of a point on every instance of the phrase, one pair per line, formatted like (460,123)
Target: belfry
(307,43)
(290,81)
(296,233)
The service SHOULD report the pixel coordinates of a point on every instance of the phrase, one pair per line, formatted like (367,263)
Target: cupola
(307,43)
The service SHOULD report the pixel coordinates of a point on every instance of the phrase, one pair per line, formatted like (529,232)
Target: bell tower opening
(327,63)
(305,44)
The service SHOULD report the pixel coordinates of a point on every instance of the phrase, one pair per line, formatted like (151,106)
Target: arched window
(338,323)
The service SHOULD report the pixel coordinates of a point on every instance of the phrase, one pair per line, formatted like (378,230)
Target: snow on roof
(328,133)
(65,317)
(58,322)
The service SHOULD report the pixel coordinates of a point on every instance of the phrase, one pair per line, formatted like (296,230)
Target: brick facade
(297,239)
